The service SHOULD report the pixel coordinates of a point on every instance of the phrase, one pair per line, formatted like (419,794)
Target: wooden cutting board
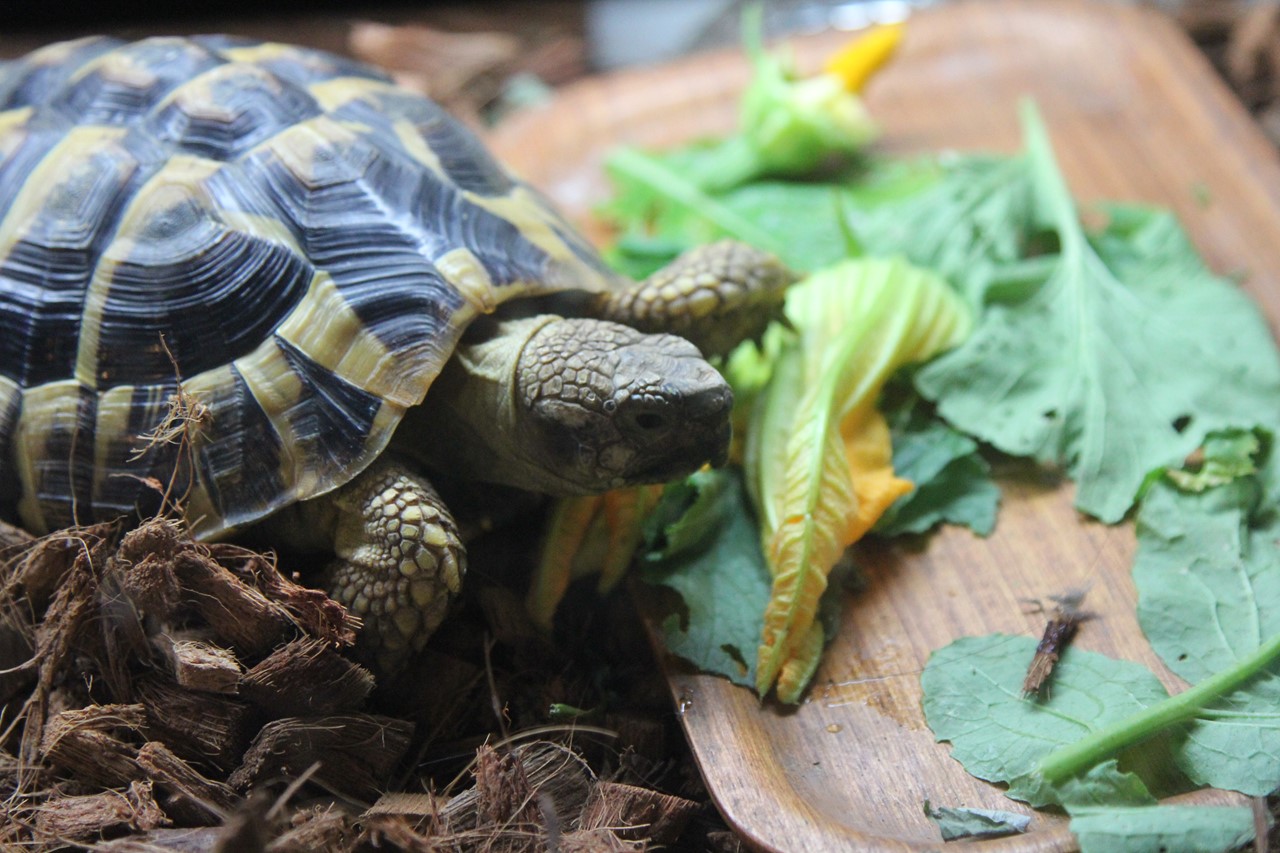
(1135,113)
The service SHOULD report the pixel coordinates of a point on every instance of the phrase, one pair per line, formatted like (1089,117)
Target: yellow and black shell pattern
(283,233)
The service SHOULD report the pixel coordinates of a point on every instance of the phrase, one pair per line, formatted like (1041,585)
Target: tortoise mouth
(688,456)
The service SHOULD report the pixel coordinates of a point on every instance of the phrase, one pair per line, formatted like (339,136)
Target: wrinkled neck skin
(469,427)
(569,407)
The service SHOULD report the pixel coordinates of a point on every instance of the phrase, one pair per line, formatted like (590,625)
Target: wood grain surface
(1135,113)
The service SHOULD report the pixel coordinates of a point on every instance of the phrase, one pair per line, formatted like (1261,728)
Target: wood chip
(96,815)
(144,566)
(356,753)
(1209,19)
(394,832)
(507,785)
(98,744)
(310,610)
(442,63)
(285,683)
(412,805)
(637,813)
(439,690)
(240,614)
(1250,56)
(43,564)
(597,841)
(316,828)
(199,840)
(189,797)
(200,727)
(199,665)
(13,541)
(642,734)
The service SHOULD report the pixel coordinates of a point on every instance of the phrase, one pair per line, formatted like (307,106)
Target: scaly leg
(716,296)
(399,561)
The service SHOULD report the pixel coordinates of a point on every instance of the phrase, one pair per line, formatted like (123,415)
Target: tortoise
(296,249)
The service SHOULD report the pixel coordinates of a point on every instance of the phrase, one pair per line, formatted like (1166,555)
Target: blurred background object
(487,57)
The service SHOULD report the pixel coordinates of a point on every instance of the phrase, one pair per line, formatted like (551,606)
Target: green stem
(1075,758)
(1054,192)
(639,167)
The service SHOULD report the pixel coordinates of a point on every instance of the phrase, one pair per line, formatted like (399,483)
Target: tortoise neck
(471,426)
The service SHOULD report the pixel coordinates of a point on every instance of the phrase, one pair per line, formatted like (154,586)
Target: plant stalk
(1074,758)
(658,177)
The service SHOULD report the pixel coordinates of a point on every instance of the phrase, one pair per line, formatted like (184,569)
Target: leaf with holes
(1208,578)
(1119,358)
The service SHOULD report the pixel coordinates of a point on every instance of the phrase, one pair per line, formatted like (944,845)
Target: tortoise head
(607,406)
(570,407)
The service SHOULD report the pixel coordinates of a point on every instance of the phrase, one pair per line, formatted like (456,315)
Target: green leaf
(973,698)
(662,207)
(976,823)
(805,216)
(657,189)
(1116,361)
(1208,578)
(953,482)
(708,551)
(971,224)
(1156,829)
(1208,575)
(1102,784)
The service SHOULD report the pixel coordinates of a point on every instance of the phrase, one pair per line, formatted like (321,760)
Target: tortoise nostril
(714,403)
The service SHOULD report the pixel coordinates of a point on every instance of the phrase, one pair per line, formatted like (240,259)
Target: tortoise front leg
(716,296)
(399,561)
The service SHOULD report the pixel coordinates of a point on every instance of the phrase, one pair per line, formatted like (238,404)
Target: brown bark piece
(309,609)
(356,753)
(199,665)
(306,678)
(440,64)
(1209,19)
(507,787)
(643,735)
(17,650)
(97,815)
(189,797)
(1251,38)
(317,828)
(97,745)
(395,832)
(42,564)
(440,688)
(597,841)
(238,613)
(196,726)
(13,540)
(637,813)
(412,805)
(144,567)
(467,71)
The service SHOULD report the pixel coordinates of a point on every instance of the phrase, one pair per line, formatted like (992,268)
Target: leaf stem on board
(1075,758)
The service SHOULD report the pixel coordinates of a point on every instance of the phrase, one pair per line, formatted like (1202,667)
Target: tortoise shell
(283,234)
